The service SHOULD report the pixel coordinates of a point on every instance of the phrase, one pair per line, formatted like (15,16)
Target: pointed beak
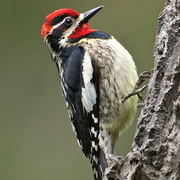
(89,14)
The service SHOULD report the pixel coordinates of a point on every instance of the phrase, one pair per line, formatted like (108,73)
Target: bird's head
(67,23)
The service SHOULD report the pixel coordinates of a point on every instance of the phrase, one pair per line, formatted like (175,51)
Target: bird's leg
(137,89)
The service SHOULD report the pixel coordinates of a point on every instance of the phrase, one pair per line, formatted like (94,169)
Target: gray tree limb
(155,153)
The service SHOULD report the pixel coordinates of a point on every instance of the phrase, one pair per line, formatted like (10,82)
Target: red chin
(81,31)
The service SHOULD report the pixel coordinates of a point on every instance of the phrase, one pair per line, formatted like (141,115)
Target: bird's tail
(99,165)
(101,152)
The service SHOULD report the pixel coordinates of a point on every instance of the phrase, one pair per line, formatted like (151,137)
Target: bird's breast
(118,77)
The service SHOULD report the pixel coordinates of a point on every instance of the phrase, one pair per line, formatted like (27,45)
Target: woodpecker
(95,72)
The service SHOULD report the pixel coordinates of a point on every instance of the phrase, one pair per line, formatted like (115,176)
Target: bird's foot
(137,89)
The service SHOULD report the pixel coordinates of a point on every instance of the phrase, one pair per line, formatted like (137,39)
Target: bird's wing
(81,91)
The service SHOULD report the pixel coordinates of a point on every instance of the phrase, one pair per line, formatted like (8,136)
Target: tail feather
(96,170)
(100,150)
(99,165)
(102,161)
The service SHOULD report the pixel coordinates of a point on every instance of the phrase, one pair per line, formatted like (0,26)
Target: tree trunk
(155,153)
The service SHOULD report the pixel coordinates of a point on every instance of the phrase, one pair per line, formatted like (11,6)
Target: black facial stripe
(60,29)
(58,19)
(57,33)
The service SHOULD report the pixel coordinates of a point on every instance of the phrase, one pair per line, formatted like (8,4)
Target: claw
(142,77)
(137,90)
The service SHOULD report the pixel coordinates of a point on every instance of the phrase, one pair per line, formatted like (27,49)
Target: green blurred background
(36,139)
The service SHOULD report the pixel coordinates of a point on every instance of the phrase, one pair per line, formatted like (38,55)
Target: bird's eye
(68,21)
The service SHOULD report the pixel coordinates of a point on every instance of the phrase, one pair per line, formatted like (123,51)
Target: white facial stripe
(55,26)
(60,23)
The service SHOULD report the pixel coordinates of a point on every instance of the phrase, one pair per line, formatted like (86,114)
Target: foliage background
(36,139)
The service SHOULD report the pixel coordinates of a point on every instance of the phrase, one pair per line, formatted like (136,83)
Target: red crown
(79,31)
(48,20)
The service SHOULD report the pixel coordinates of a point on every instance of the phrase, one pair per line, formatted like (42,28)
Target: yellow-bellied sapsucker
(95,72)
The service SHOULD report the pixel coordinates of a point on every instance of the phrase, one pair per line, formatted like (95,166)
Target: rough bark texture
(155,153)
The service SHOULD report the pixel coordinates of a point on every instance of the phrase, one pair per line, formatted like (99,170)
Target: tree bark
(155,153)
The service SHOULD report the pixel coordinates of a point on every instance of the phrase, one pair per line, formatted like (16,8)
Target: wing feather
(82,96)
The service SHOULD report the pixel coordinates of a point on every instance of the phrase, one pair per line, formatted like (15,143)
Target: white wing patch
(88,91)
